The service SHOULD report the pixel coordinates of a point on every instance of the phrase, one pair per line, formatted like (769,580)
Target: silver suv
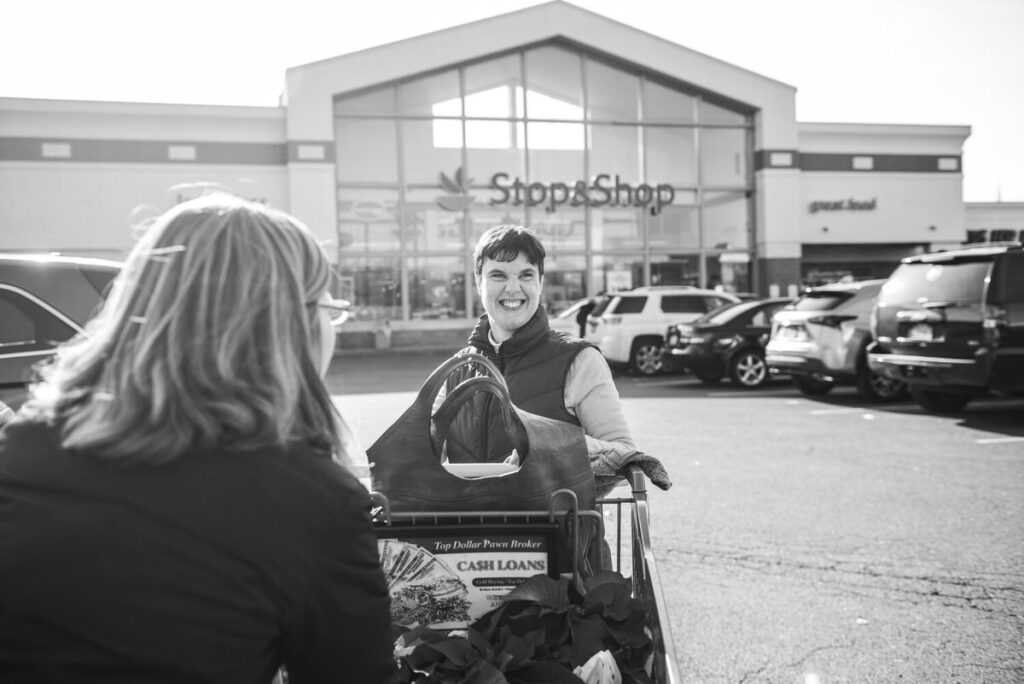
(630,331)
(821,339)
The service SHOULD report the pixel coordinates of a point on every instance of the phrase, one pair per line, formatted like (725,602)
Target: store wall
(79,177)
(866,208)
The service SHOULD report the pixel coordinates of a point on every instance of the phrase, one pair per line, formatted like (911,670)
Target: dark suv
(951,325)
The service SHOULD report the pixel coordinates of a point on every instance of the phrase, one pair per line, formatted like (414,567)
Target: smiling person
(549,373)
(172,506)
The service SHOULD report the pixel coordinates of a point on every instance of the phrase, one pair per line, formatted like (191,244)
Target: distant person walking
(583,313)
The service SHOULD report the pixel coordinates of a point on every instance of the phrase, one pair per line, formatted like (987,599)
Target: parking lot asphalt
(810,540)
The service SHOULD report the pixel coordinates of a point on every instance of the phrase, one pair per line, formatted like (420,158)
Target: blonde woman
(170,510)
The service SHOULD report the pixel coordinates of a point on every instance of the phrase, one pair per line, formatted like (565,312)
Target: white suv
(631,330)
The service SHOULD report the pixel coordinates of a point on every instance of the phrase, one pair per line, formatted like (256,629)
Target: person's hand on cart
(610,464)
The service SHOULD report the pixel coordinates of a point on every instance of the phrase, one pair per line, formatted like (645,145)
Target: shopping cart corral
(474,591)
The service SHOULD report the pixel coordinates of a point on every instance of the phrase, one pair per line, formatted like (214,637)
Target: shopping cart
(623,521)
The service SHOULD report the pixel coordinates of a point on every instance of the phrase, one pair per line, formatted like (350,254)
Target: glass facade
(629,180)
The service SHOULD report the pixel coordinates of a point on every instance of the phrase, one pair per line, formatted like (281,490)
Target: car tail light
(672,338)
(994,319)
(831,320)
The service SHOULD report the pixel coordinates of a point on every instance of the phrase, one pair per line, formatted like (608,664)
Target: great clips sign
(604,190)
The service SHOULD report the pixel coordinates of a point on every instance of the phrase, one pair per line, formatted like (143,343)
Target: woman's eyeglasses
(338,309)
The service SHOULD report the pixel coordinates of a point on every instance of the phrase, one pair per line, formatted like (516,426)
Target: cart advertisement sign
(447,580)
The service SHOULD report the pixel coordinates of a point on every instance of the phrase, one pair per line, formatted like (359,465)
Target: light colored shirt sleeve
(591,396)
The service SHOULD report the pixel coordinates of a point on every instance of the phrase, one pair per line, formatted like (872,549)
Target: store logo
(458,197)
(603,190)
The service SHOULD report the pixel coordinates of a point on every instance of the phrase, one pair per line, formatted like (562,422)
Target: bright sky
(957,62)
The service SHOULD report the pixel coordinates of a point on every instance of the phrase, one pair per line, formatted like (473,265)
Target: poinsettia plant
(541,632)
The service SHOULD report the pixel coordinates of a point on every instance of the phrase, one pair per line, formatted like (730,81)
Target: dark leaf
(542,589)
(459,652)
(589,635)
(613,601)
(605,577)
(538,672)
(482,672)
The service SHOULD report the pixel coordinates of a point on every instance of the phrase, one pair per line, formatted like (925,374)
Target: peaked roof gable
(310,88)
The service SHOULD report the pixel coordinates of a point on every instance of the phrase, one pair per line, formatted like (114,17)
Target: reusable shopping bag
(405,462)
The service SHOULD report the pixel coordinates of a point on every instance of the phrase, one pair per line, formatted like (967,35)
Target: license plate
(787,332)
(922,332)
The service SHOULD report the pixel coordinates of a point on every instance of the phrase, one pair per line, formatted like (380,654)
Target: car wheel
(646,357)
(708,378)
(813,388)
(748,368)
(935,401)
(878,388)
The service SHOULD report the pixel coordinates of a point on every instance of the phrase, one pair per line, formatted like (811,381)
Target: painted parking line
(999,440)
(835,411)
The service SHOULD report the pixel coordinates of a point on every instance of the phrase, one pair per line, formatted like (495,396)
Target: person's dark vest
(535,362)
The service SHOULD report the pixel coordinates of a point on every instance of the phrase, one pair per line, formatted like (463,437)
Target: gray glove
(609,467)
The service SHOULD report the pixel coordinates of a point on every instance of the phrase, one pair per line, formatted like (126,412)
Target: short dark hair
(505,243)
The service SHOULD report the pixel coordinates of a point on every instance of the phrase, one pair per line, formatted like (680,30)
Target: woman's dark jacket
(216,567)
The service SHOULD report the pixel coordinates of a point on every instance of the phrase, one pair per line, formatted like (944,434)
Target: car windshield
(724,313)
(602,304)
(821,300)
(956,281)
(627,305)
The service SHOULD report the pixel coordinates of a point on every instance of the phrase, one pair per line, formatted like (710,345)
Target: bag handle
(441,422)
(464,360)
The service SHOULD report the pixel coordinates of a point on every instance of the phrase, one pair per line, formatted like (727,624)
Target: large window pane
(437,287)
(730,270)
(675,227)
(671,155)
(367,221)
(665,105)
(615,150)
(494,73)
(612,94)
(726,221)
(615,273)
(675,269)
(419,97)
(723,156)
(564,281)
(429,227)
(712,113)
(367,150)
(375,284)
(615,228)
(483,217)
(555,152)
(482,164)
(561,230)
(377,101)
(553,80)
(422,161)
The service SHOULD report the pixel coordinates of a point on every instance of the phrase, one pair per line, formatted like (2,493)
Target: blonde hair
(208,340)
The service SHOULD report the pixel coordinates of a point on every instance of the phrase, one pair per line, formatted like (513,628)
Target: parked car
(630,330)
(728,341)
(821,340)
(566,321)
(44,300)
(951,325)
